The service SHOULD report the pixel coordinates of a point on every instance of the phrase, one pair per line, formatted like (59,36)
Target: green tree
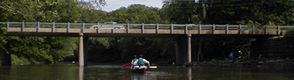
(2,39)
(90,14)
(60,48)
(135,14)
(265,12)
(39,49)
(33,48)
(68,11)
(181,13)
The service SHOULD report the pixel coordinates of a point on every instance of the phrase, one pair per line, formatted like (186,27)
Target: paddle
(127,64)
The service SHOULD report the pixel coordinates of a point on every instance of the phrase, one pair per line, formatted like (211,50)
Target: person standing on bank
(240,56)
(141,62)
(231,56)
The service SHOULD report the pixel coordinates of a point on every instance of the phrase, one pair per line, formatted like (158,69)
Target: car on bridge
(108,25)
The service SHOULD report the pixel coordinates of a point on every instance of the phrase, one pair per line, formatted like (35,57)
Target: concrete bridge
(181,32)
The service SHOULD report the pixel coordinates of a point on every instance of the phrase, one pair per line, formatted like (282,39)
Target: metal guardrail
(142,28)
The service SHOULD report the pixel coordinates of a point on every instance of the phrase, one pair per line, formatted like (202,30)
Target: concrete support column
(81,49)
(189,52)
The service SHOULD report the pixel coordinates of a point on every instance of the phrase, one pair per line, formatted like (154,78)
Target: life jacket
(141,62)
(133,60)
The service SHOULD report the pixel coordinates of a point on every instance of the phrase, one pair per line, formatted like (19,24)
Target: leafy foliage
(181,13)
(135,14)
(56,49)
(2,39)
(263,12)
(39,49)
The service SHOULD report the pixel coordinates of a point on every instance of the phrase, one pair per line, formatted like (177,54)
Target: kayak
(142,70)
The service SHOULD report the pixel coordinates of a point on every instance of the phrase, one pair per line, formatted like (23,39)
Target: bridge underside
(182,33)
(183,45)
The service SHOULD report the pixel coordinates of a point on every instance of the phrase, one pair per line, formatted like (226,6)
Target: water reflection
(111,72)
(138,76)
(149,75)
(240,73)
(190,76)
(39,72)
(81,73)
(4,71)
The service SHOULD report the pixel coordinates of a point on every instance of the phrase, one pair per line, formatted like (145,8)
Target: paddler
(141,62)
(133,62)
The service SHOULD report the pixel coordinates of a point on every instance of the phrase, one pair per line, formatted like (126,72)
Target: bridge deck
(67,28)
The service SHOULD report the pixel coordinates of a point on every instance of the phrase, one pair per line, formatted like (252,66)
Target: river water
(117,72)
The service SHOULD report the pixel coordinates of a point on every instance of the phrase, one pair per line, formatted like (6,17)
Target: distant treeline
(34,50)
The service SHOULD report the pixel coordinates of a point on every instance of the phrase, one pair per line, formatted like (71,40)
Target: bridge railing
(143,28)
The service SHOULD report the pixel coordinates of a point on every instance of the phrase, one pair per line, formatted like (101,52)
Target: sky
(112,5)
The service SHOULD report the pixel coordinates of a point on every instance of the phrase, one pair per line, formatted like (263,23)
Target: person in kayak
(133,62)
(141,63)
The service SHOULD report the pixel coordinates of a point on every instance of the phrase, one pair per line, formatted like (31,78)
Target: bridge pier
(189,48)
(183,49)
(83,46)
(81,49)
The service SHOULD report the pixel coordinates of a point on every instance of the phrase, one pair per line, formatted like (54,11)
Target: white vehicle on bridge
(108,25)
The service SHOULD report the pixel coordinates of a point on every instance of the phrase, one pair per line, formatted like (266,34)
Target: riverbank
(264,61)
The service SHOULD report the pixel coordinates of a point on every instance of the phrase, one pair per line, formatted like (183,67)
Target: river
(118,72)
